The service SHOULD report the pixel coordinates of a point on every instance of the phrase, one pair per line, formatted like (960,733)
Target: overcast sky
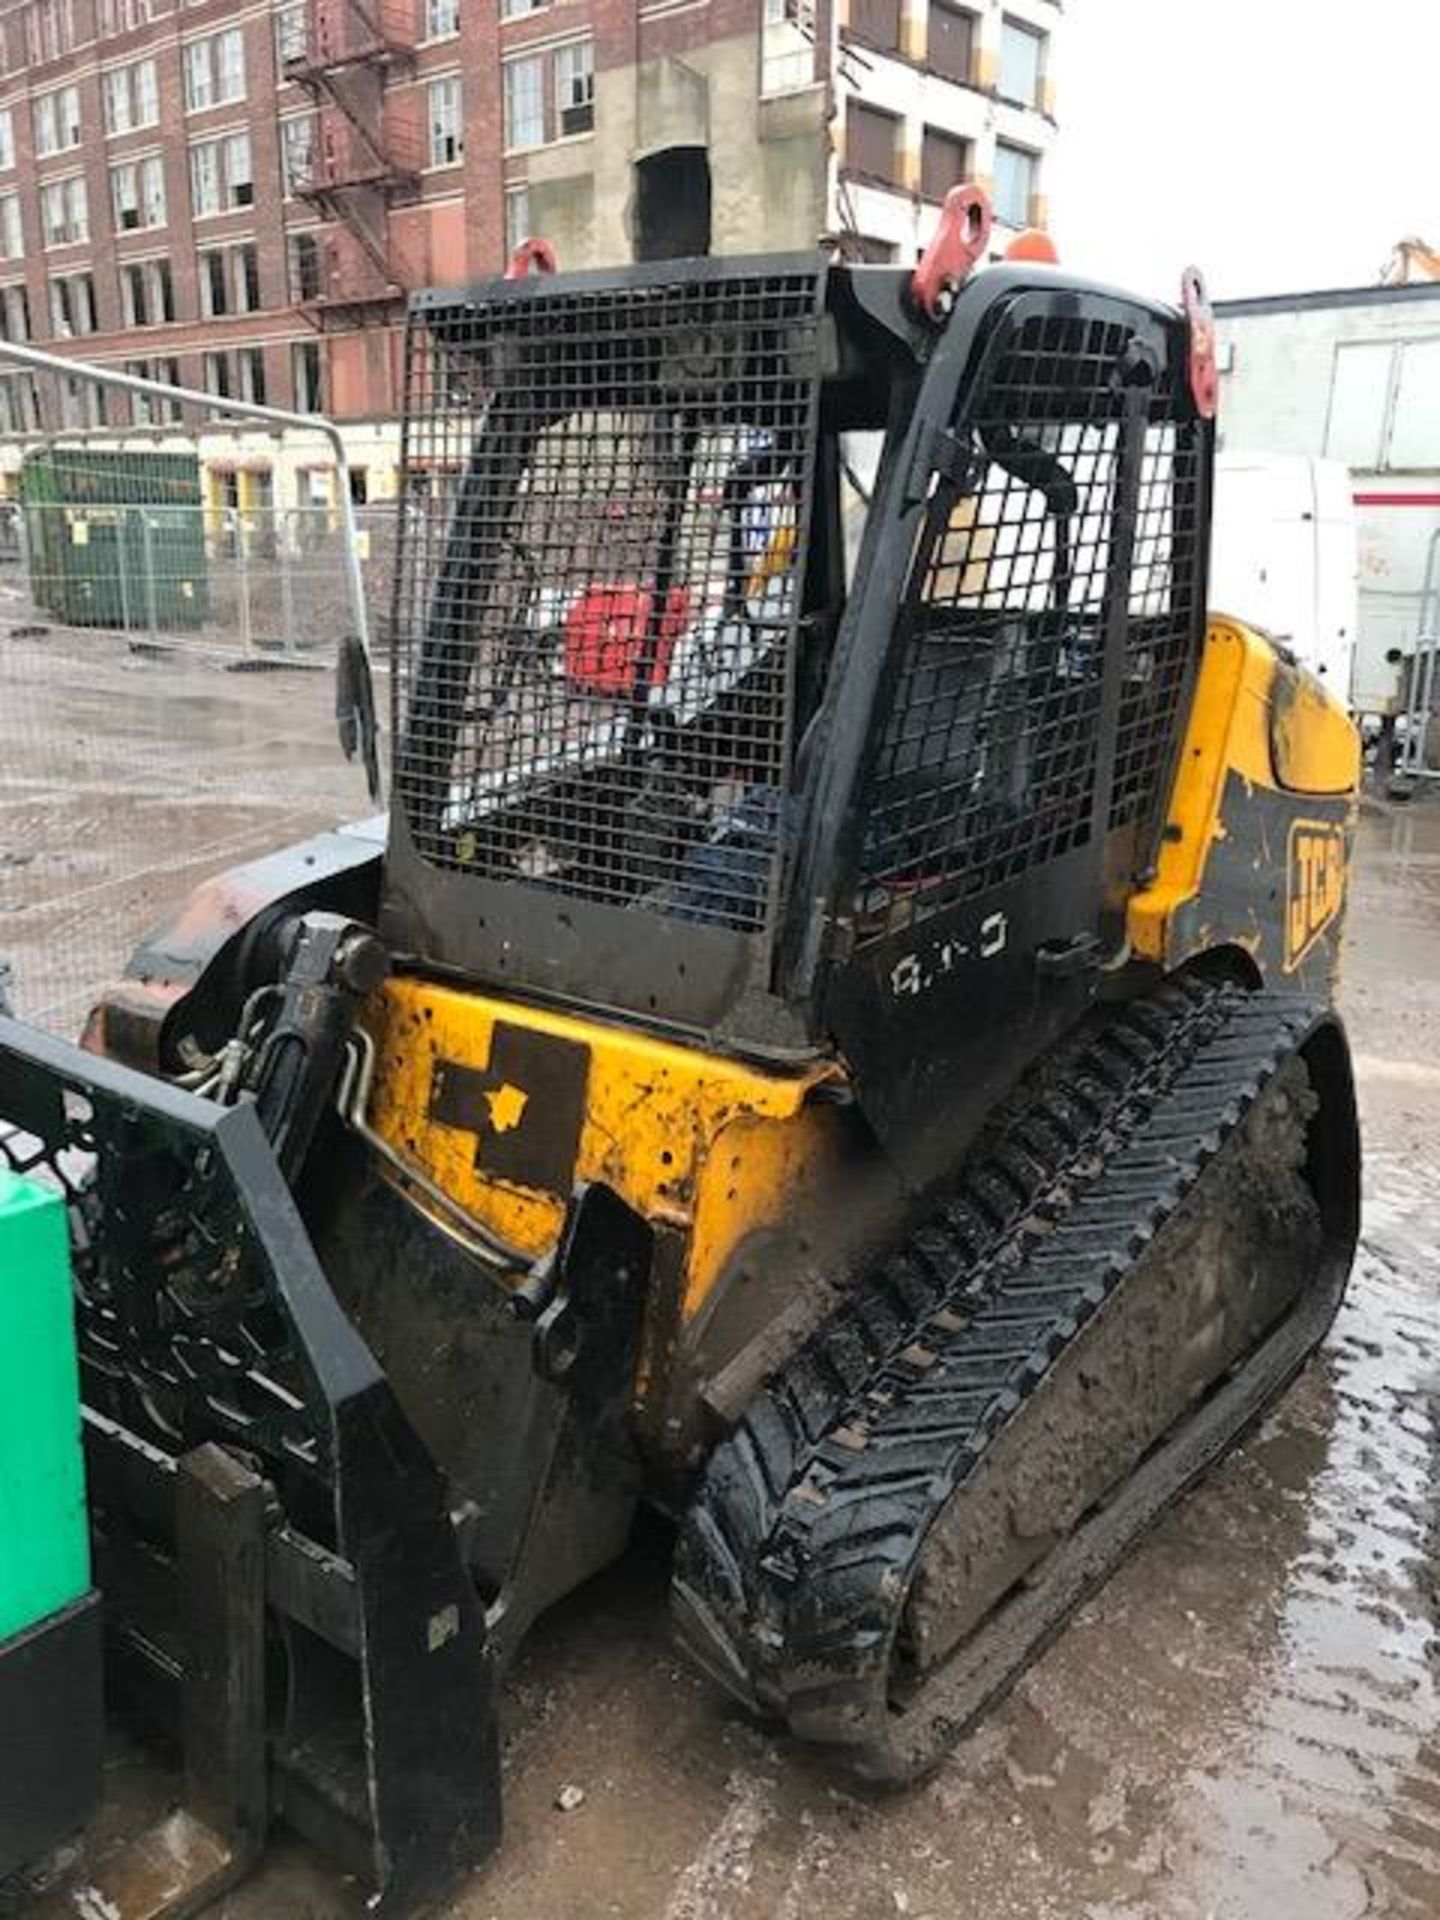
(1279,144)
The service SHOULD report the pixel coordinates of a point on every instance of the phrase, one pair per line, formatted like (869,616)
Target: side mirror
(355,710)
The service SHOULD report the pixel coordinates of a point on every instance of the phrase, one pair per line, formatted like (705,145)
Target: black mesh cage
(1077,509)
(605,508)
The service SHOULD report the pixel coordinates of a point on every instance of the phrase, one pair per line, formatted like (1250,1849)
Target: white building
(929,94)
(1352,375)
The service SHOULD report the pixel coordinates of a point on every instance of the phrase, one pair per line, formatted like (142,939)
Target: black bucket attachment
(283,1587)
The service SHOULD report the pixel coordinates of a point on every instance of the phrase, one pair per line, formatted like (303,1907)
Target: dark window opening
(136,305)
(214,286)
(307,377)
(944,163)
(871,143)
(672,204)
(252,375)
(249,273)
(876,21)
(305,266)
(952,42)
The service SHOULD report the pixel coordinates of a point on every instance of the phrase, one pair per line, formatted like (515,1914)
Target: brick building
(240,196)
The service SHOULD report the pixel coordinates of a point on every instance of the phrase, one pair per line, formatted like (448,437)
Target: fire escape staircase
(357,168)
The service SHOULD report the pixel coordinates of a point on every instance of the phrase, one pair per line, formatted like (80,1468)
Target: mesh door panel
(990,755)
(1166,617)
(605,508)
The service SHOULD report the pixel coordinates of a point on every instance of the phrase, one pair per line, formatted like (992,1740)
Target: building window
(214,285)
(147,409)
(49,30)
(442,19)
(7,138)
(1021,56)
(12,238)
(72,306)
(229,281)
(306,376)
(82,403)
(137,193)
(944,163)
(951,49)
(20,404)
(297,152)
(292,34)
(217,375)
(246,270)
(1015,176)
(787,45)
(252,374)
(525,101)
(517,9)
(132,97)
(57,121)
(447,126)
(64,212)
(15,312)
(575,86)
(220,177)
(305,281)
(549,96)
(147,293)
(877,22)
(123,16)
(215,70)
(872,143)
(517,217)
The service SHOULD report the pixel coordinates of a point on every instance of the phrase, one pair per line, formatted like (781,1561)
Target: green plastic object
(44,1537)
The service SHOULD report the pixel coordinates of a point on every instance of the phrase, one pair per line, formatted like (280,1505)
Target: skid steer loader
(834,1043)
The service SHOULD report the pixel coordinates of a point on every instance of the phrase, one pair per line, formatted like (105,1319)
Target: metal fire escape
(358,163)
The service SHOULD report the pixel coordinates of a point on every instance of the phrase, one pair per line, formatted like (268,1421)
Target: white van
(1283,557)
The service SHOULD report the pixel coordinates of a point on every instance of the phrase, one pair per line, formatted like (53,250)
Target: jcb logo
(1316,885)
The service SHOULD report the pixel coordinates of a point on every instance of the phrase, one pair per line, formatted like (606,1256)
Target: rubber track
(797,1552)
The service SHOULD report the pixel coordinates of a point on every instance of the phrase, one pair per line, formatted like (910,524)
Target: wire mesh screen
(991,752)
(1167,611)
(606,503)
(168,626)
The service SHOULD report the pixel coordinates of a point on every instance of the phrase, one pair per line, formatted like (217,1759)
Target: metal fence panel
(166,700)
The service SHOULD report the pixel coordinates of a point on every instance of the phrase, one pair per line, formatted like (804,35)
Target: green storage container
(44,1537)
(115,539)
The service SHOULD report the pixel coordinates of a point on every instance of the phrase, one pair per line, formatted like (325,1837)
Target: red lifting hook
(531,256)
(959,241)
(1204,373)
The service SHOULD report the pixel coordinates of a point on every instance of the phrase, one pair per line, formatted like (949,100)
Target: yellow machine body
(1256,843)
(704,1146)
(504,1105)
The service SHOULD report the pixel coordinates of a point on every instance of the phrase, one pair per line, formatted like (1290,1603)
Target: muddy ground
(1245,1723)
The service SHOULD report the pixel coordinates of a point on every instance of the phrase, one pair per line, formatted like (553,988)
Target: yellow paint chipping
(703,1145)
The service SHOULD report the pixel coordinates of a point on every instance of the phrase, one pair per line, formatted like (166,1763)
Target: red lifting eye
(531,256)
(959,241)
(1204,374)
(605,637)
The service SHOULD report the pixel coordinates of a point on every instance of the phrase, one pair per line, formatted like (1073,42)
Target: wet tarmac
(1245,1724)
(127,776)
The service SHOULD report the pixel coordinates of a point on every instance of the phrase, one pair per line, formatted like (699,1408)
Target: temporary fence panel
(1419,755)
(168,632)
